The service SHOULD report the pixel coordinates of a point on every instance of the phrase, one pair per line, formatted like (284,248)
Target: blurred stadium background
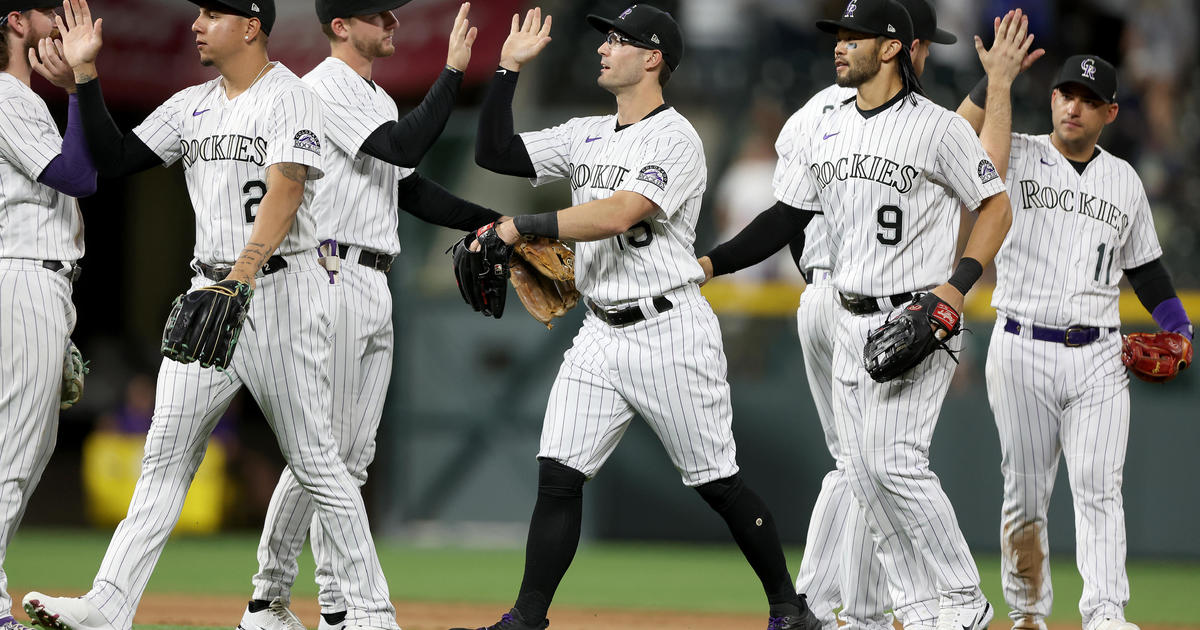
(455,460)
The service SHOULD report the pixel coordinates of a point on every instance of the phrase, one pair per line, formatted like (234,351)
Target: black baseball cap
(648,26)
(924,21)
(885,18)
(1091,72)
(20,6)
(264,10)
(327,10)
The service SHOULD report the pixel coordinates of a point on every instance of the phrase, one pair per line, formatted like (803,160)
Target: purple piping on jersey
(72,171)
(1169,314)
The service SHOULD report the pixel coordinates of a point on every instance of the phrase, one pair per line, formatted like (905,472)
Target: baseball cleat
(1116,624)
(324,623)
(9,623)
(512,620)
(965,617)
(276,616)
(63,613)
(793,617)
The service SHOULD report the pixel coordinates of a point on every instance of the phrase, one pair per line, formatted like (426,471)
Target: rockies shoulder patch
(308,141)
(987,172)
(655,175)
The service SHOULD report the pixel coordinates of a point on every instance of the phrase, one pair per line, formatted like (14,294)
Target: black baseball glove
(482,276)
(204,325)
(906,339)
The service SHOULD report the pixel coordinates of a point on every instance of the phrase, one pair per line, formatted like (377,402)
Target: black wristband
(541,224)
(966,275)
(978,93)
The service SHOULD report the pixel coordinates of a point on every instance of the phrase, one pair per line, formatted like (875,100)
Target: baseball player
(650,343)
(1055,379)
(888,169)
(41,240)
(250,140)
(368,157)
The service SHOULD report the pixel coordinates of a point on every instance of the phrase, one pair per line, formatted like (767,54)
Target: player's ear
(1112,113)
(889,49)
(654,59)
(253,29)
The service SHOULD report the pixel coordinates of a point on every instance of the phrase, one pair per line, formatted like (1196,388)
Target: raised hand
(1009,54)
(47,60)
(462,36)
(81,38)
(525,40)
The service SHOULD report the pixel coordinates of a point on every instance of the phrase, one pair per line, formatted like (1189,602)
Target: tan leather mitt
(543,274)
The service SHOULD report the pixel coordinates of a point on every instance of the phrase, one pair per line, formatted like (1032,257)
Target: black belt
(217,273)
(865,305)
(57,266)
(629,314)
(1073,336)
(808,275)
(375,260)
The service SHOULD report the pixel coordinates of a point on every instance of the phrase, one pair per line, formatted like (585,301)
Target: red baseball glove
(1156,357)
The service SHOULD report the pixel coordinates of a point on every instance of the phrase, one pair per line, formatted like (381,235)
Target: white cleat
(965,617)
(1115,624)
(276,616)
(63,613)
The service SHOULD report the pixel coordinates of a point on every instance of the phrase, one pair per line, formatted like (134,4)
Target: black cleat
(512,620)
(799,617)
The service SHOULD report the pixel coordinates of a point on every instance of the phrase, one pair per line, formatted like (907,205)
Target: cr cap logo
(1089,68)
(850,9)
(626,12)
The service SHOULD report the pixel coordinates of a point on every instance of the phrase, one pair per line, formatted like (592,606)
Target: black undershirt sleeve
(767,233)
(497,147)
(115,154)
(431,203)
(404,142)
(1152,283)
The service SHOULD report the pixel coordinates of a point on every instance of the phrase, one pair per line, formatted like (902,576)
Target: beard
(374,49)
(856,76)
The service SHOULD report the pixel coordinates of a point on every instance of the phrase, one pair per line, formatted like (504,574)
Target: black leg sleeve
(428,201)
(497,147)
(404,142)
(115,154)
(553,537)
(753,528)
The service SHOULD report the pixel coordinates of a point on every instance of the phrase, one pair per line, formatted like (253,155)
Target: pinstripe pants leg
(36,320)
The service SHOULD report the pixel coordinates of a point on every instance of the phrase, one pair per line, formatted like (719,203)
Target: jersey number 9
(891,224)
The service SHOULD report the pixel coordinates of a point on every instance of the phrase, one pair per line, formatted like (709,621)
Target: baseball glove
(543,274)
(204,325)
(482,276)
(74,369)
(906,339)
(1156,357)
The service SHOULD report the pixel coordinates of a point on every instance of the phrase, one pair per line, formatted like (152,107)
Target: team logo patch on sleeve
(308,141)
(987,172)
(655,175)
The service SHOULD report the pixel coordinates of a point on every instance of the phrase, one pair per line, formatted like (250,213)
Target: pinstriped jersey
(1072,236)
(356,201)
(226,146)
(818,253)
(661,158)
(36,221)
(890,181)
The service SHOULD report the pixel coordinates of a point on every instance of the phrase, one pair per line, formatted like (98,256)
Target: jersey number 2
(255,191)
(891,223)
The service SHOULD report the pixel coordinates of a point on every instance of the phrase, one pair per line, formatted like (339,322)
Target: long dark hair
(908,75)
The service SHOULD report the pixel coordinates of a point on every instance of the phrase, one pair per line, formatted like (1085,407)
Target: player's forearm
(405,141)
(972,107)
(995,217)
(497,147)
(428,201)
(72,172)
(604,218)
(996,135)
(276,213)
(114,153)
(768,233)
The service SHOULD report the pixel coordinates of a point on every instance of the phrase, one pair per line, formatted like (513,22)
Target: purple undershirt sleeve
(72,172)
(1169,315)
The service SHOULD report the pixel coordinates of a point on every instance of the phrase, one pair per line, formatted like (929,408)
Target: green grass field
(626,575)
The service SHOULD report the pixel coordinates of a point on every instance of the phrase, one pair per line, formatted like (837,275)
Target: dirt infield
(205,610)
